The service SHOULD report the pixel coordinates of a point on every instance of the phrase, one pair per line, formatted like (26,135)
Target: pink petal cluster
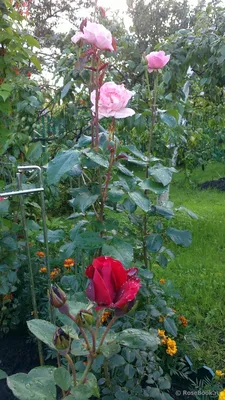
(157,60)
(97,35)
(112,102)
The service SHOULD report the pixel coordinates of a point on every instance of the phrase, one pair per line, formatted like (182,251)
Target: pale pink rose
(157,60)
(97,35)
(112,101)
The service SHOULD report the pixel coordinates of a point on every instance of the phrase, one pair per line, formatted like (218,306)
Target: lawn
(198,271)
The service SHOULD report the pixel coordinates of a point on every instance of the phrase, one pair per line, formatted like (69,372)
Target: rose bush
(111,285)
(95,34)
(157,60)
(112,101)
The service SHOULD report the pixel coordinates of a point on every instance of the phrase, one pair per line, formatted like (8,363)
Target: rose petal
(119,273)
(127,293)
(102,295)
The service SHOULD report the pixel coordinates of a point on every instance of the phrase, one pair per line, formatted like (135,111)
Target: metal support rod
(25,191)
(32,286)
(45,229)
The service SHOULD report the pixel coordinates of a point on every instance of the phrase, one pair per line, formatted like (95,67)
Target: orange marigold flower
(8,297)
(222,395)
(29,74)
(40,254)
(163,337)
(161,318)
(69,262)
(183,320)
(43,270)
(105,316)
(163,281)
(171,347)
(54,273)
(161,332)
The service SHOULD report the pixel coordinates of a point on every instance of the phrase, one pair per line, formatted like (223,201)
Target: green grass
(198,272)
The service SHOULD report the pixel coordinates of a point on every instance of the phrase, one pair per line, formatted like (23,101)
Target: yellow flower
(163,281)
(219,373)
(171,347)
(163,337)
(161,318)
(105,316)
(69,262)
(222,395)
(40,254)
(43,270)
(183,320)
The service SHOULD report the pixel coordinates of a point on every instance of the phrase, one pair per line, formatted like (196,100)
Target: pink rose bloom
(112,101)
(157,60)
(95,34)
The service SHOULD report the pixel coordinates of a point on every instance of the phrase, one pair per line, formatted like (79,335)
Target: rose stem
(106,372)
(152,105)
(72,368)
(87,369)
(106,331)
(82,332)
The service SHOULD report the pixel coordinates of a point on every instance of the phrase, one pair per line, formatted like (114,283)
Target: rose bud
(84,318)
(61,341)
(57,299)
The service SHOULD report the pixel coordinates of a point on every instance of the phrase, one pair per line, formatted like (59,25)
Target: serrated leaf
(138,339)
(119,250)
(154,242)
(43,330)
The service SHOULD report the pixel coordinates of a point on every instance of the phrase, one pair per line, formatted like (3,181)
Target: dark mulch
(218,184)
(17,354)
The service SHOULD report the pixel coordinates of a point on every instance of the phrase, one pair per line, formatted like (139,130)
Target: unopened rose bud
(57,296)
(84,319)
(61,341)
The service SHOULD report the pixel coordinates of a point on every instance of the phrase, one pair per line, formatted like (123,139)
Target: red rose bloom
(111,285)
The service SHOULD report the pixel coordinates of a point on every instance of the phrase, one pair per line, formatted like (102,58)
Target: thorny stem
(70,361)
(152,104)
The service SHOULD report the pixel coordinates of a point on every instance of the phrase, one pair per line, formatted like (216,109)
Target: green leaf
(9,243)
(117,361)
(4,206)
(170,326)
(78,348)
(4,94)
(96,157)
(62,378)
(182,238)
(89,240)
(53,236)
(129,371)
(154,242)
(86,390)
(140,200)
(34,151)
(138,339)
(161,174)
(66,89)
(43,330)
(120,250)
(32,225)
(84,199)
(168,119)
(137,152)
(109,349)
(3,374)
(165,212)
(36,62)
(61,164)
(123,169)
(115,194)
(155,187)
(31,41)
(181,208)
(33,386)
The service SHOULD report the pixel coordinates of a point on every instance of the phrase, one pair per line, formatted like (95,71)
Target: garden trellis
(23,192)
